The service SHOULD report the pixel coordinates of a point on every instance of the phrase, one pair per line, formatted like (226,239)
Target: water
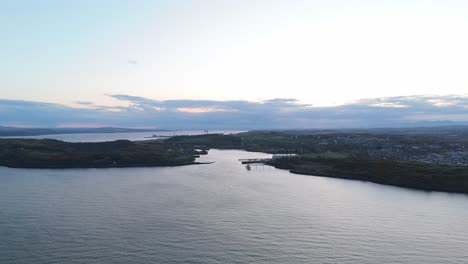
(222,213)
(99,137)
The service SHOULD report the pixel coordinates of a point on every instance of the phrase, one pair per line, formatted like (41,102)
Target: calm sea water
(99,137)
(222,213)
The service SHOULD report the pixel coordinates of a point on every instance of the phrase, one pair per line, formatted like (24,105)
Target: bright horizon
(107,56)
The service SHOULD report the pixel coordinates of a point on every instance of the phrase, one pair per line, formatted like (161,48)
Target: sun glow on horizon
(321,53)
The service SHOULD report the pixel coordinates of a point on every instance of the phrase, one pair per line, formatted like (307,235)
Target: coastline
(183,151)
(445,181)
(55,154)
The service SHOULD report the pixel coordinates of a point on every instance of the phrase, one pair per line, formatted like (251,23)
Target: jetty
(250,161)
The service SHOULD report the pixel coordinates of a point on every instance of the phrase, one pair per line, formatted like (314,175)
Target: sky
(265,55)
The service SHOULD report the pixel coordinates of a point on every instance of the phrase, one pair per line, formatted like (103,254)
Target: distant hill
(17,131)
(440,123)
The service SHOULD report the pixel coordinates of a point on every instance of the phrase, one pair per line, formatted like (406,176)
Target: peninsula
(424,158)
(33,153)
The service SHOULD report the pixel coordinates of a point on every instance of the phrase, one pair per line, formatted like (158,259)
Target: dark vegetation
(31,153)
(429,159)
(208,141)
(406,174)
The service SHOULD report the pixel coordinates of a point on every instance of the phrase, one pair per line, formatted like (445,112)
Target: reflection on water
(99,137)
(222,213)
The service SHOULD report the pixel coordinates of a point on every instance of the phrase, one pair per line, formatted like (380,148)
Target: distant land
(6,131)
(425,126)
(379,130)
(55,154)
(434,159)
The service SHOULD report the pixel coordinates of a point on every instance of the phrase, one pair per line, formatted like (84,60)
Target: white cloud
(268,114)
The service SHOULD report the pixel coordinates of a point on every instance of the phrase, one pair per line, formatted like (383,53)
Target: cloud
(84,103)
(238,114)
(91,105)
(201,110)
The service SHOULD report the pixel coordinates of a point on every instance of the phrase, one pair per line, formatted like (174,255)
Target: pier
(250,161)
(265,160)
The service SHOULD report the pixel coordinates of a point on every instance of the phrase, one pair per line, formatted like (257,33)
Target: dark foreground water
(222,213)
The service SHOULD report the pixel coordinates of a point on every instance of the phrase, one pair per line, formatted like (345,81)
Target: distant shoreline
(314,157)
(24,132)
(390,181)
(345,161)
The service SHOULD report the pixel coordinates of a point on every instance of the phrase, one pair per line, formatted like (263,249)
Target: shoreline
(183,151)
(398,178)
(110,167)
(362,179)
(55,154)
